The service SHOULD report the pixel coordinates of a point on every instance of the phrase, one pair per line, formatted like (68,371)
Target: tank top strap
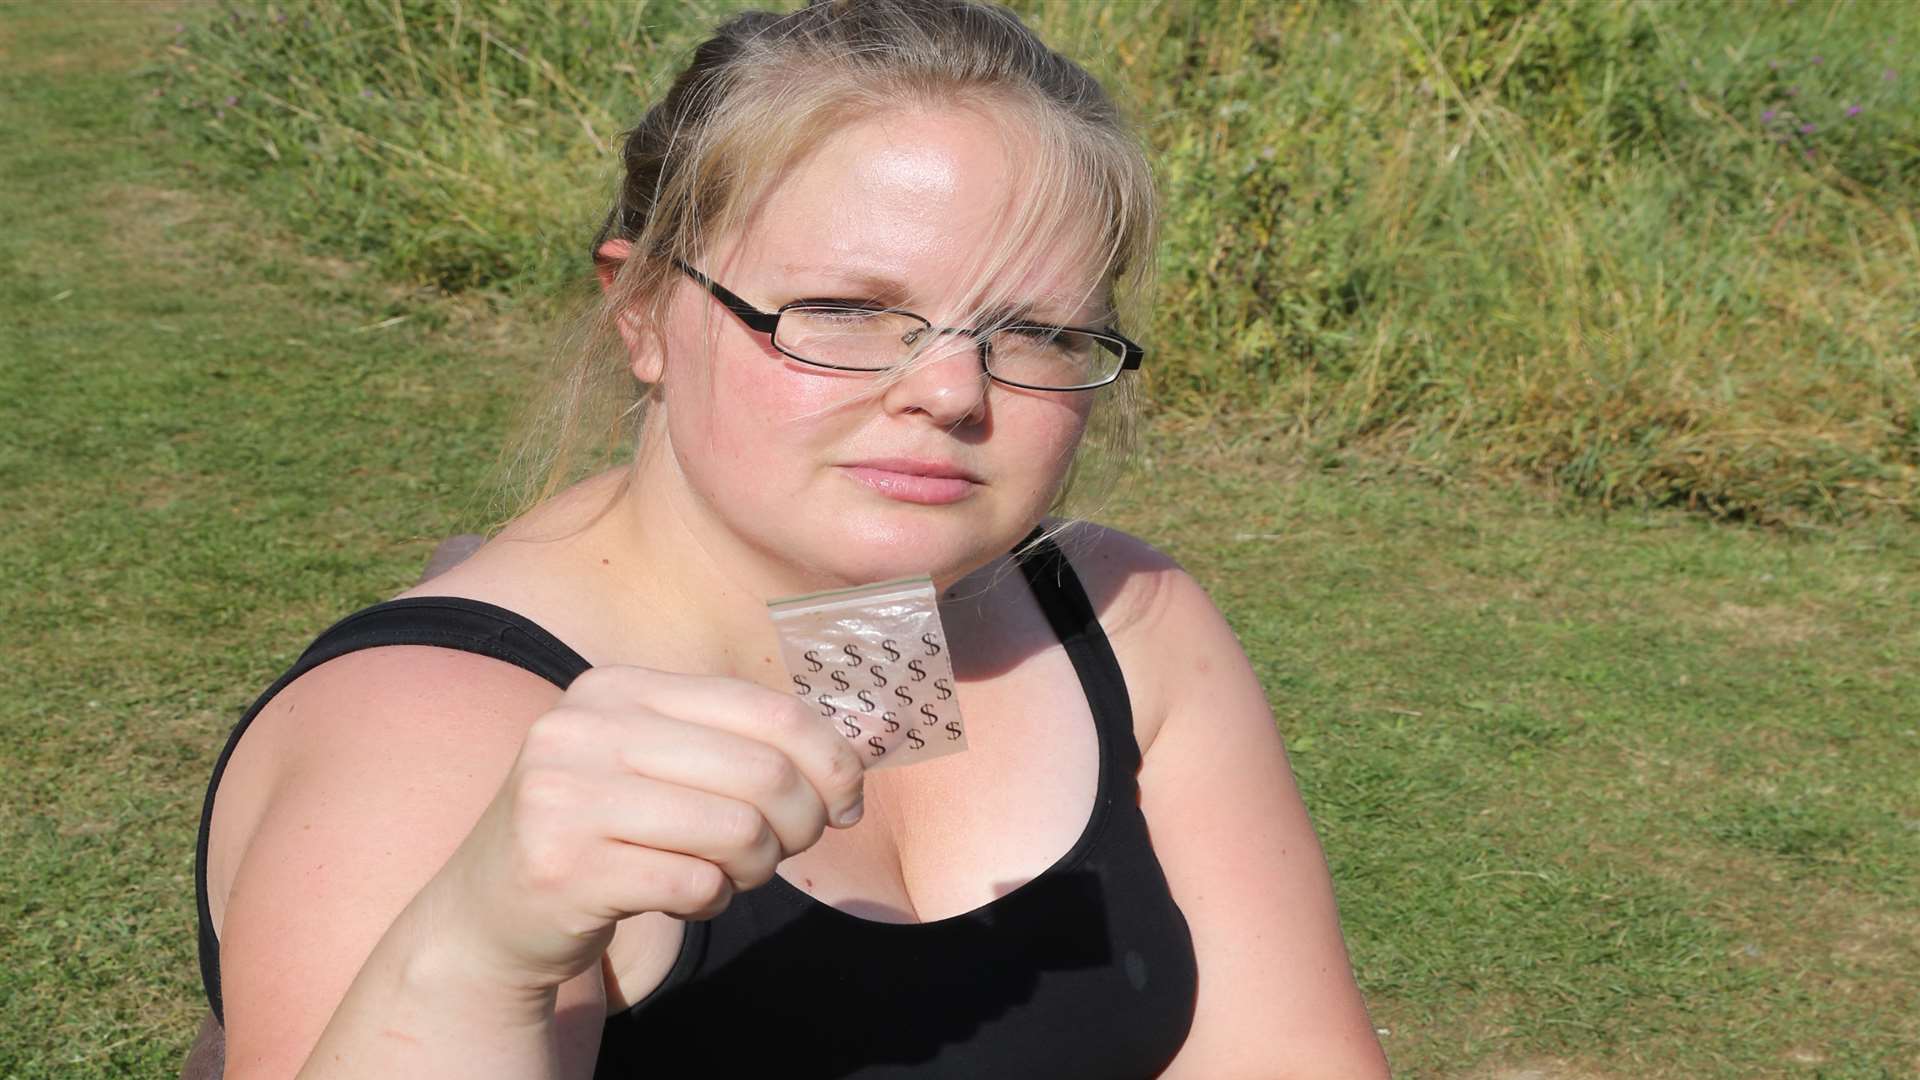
(1064,601)
(447,622)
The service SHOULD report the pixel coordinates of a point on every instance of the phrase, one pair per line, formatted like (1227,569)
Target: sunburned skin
(910,184)
(763,463)
(797,478)
(538,849)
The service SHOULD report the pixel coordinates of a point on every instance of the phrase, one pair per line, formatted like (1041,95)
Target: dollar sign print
(877,748)
(839,680)
(931,716)
(854,658)
(932,643)
(893,654)
(804,688)
(914,741)
(879,677)
(813,662)
(906,699)
(887,718)
(940,687)
(853,729)
(866,700)
(826,706)
(918,671)
(953,730)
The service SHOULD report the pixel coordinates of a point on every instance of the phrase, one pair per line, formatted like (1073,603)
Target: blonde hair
(767,89)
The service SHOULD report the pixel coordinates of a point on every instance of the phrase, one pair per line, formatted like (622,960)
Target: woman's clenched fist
(638,791)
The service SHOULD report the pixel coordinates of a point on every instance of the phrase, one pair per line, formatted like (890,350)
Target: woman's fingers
(628,878)
(780,721)
(645,791)
(747,771)
(734,835)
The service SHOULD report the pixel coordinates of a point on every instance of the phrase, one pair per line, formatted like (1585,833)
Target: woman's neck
(646,576)
(663,594)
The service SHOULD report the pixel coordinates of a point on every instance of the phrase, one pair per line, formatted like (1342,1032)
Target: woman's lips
(928,483)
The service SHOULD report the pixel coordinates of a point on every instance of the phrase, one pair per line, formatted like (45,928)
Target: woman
(555,814)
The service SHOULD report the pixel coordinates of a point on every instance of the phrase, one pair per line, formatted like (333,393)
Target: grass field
(1607,795)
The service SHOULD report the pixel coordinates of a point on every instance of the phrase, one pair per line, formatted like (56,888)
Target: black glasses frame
(766,322)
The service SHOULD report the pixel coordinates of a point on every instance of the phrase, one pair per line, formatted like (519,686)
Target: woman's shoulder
(1135,588)
(1157,617)
(388,672)
(379,739)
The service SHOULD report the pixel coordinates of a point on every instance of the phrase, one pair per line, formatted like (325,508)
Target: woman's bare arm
(440,851)
(350,792)
(1276,991)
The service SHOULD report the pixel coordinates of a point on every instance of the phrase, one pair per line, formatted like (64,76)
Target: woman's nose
(947,382)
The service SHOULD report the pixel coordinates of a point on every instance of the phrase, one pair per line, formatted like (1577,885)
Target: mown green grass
(1653,253)
(1606,795)
(1628,792)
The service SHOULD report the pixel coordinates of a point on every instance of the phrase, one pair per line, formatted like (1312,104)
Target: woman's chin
(899,551)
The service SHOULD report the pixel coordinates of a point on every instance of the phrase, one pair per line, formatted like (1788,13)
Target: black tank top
(1085,971)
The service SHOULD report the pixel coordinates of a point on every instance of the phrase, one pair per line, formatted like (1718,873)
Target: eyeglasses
(855,337)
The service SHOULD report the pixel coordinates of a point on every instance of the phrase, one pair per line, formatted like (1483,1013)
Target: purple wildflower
(1853,110)
(1807,129)
(366,92)
(1887,75)
(232,100)
(1767,117)
(1808,154)
(181,28)
(1817,60)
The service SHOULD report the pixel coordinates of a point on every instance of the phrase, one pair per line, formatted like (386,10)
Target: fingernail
(851,815)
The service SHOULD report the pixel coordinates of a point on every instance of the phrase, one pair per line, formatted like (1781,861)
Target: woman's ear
(646,358)
(608,258)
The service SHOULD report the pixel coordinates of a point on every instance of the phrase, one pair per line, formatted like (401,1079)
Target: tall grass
(1651,253)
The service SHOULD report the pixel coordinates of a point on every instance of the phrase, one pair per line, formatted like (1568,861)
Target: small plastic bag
(873,662)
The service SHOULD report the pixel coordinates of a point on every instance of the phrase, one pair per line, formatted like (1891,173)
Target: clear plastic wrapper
(873,662)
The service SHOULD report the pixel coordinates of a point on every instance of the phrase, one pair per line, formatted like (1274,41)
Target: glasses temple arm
(762,321)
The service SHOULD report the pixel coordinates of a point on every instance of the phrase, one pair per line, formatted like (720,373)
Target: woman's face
(845,477)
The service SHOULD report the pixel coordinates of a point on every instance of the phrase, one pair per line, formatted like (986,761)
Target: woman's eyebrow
(872,286)
(1042,314)
(892,291)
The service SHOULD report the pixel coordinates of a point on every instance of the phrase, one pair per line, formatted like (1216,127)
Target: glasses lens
(1054,359)
(843,337)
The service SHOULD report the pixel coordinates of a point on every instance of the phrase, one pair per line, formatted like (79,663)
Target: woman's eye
(840,314)
(1036,336)
(838,303)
